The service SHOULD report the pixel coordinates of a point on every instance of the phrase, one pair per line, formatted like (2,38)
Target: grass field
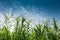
(23,31)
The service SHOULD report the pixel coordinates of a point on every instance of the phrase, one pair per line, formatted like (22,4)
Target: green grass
(23,30)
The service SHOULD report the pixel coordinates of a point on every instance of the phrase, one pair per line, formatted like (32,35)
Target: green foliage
(55,25)
(23,31)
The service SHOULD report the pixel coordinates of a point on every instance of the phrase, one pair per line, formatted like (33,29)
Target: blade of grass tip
(28,23)
(38,26)
(46,26)
(17,21)
(16,24)
(23,19)
(55,25)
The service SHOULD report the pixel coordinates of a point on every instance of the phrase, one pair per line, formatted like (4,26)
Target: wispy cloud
(30,13)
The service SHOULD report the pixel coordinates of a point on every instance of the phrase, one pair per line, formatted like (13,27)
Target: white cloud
(33,14)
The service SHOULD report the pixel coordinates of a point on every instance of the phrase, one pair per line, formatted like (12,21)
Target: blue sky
(36,8)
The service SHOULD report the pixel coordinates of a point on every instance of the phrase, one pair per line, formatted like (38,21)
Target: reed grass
(24,32)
